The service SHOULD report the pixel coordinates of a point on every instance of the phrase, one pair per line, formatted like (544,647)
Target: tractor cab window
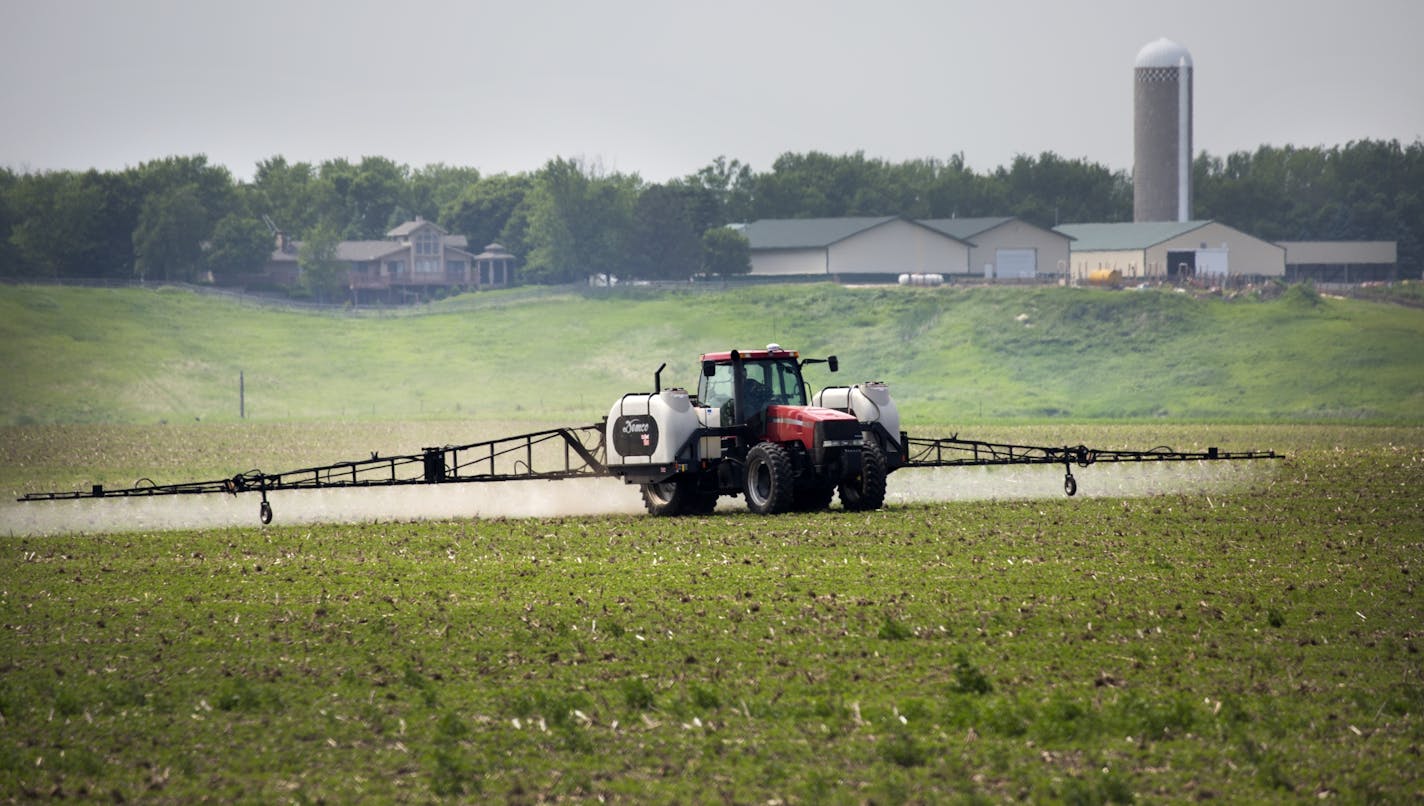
(764,383)
(775,383)
(716,391)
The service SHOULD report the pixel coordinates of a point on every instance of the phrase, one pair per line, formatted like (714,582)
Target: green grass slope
(950,355)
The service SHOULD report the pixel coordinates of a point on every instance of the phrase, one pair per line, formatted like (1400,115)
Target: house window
(427,266)
(455,266)
(395,268)
(427,243)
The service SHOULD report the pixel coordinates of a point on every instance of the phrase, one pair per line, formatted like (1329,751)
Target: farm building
(1171,251)
(884,248)
(1008,248)
(1342,261)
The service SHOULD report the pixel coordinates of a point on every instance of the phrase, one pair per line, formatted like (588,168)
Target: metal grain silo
(1162,133)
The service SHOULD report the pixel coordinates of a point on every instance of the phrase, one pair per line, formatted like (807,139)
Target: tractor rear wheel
(866,491)
(677,497)
(770,483)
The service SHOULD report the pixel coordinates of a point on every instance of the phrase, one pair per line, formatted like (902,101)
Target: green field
(1247,637)
(952,356)
(1252,644)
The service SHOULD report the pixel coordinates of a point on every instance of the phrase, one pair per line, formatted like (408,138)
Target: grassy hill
(950,355)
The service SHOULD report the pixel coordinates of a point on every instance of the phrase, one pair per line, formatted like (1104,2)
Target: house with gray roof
(1171,251)
(416,259)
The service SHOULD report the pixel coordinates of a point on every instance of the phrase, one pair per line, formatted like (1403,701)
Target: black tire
(814,498)
(769,480)
(677,497)
(866,491)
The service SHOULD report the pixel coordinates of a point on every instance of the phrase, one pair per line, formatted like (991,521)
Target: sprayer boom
(557,453)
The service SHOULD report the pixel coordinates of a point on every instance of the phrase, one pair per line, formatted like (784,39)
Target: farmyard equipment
(752,429)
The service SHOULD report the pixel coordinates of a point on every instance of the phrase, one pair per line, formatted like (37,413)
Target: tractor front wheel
(770,483)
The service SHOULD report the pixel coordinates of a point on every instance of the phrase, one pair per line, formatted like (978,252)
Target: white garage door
(1016,264)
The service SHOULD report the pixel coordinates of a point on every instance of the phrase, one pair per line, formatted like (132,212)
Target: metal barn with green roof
(1003,248)
(1171,250)
(886,245)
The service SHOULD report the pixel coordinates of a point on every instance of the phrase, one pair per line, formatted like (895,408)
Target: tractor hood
(814,427)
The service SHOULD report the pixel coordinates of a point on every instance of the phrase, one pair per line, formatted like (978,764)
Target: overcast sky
(662,88)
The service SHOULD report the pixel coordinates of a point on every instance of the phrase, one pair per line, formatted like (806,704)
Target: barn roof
(806,233)
(1129,235)
(817,233)
(965,228)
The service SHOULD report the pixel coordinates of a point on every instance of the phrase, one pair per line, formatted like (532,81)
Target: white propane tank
(648,429)
(870,403)
(930,280)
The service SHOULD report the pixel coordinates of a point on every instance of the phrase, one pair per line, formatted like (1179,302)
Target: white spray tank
(870,402)
(648,429)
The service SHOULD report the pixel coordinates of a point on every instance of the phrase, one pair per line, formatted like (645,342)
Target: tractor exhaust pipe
(658,379)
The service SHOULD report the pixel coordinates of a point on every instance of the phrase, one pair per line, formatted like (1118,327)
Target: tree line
(180,218)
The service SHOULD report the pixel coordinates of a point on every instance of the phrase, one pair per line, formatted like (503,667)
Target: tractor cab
(743,384)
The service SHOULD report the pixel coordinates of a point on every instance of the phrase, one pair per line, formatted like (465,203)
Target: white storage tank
(648,429)
(870,402)
(930,280)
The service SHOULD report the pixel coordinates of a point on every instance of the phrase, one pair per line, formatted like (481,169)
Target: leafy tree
(952,190)
(211,185)
(61,223)
(725,252)
(1048,190)
(724,190)
(364,200)
(10,263)
(168,241)
(818,185)
(288,194)
(661,243)
(432,189)
(578,219)
(240,244)
(323,275)
(121,201)
(484,209)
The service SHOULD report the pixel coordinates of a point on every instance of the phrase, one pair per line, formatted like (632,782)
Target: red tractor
(754,428)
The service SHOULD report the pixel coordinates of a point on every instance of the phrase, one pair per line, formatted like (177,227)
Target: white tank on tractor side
(649,428)
(870,403)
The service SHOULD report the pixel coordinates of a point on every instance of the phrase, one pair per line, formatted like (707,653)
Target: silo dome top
(1163,53)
